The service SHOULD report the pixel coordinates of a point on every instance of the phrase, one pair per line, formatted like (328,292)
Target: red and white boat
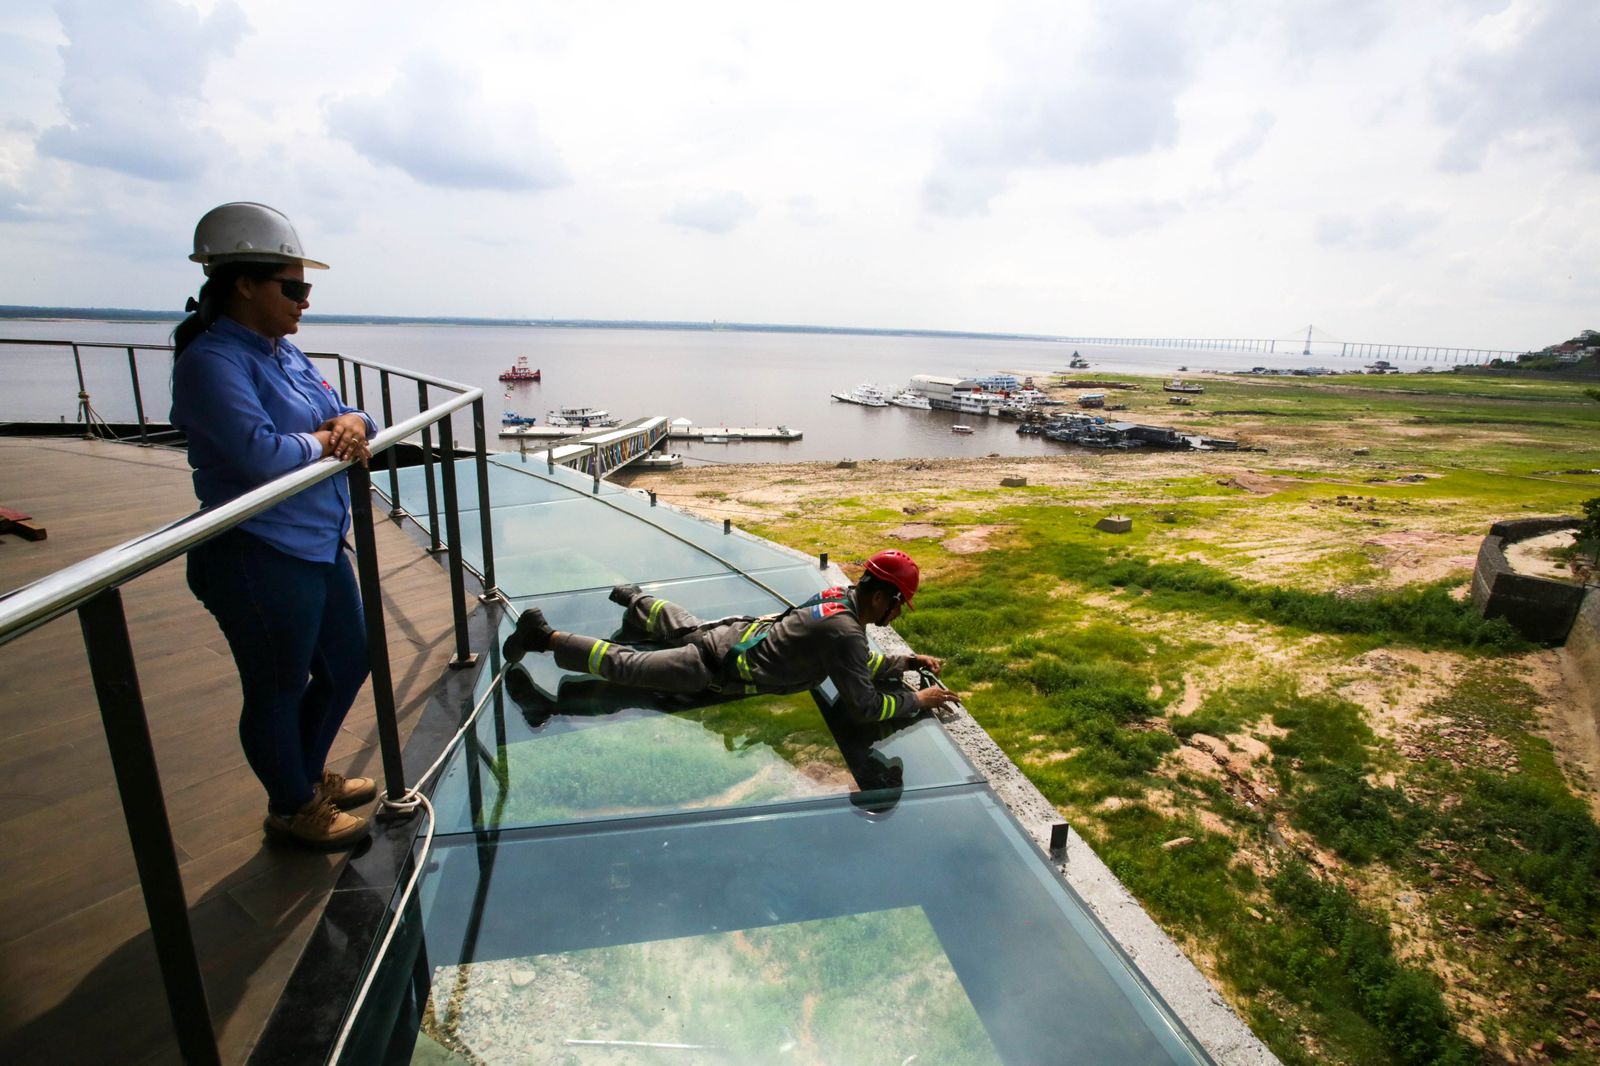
(520,372)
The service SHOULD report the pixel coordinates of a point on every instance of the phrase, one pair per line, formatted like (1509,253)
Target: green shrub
(1355,956)
(1427,615)
(1357,820)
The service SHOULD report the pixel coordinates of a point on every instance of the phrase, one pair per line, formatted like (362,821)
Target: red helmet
(898,569)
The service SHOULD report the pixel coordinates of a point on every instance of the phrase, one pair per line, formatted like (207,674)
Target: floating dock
(734,433)
(540,432)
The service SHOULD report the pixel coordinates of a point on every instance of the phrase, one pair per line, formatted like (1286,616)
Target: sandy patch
(1417,555)
(1543,556)
(915,531)
(1260,484)
(1166,805)
(972,541)
(1393,685)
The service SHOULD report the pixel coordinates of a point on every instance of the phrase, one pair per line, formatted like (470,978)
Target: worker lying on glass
(823,638)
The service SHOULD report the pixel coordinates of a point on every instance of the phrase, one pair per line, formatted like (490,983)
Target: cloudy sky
(1426,172)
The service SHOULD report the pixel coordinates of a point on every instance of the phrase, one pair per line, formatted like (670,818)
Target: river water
(720,377)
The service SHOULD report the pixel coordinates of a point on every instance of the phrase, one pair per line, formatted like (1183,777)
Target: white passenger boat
(865,395)
(978,402)
(911,398)
(959,428)
(580,417)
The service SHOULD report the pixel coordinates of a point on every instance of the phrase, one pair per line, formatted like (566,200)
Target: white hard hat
(245,232)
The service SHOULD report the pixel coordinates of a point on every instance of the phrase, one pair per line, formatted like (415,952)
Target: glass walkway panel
(623,877)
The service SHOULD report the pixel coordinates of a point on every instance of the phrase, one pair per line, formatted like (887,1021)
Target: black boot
(533,633)
(623,595)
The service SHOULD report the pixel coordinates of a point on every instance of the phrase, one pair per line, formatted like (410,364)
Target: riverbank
(1367,815)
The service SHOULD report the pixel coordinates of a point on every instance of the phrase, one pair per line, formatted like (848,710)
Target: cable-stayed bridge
(1309,342)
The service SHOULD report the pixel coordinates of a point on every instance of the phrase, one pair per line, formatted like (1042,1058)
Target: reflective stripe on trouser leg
(661,619)
(666,669)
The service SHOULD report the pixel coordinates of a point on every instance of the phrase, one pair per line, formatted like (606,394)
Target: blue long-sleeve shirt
(250,407)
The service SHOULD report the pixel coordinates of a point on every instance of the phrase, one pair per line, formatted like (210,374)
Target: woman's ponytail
(213,301)
(203,313)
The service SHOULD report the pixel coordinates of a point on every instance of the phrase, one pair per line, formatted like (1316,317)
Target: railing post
(83,396)
(371,583)
(480,440)
(361,392)
(138,398)
(594,465)
(464,655)
(395,510)
(344,386)
(434,547)
(116,684)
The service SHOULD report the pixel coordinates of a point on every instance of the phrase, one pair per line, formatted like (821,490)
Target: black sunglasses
(294,290)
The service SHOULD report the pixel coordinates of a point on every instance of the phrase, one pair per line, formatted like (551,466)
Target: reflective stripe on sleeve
(650,620)
(888,709)
(874,663)
(597,655)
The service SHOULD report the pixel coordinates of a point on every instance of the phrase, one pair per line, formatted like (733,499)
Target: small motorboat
(959,428)
(1179,385)
(520,372)
(511,418)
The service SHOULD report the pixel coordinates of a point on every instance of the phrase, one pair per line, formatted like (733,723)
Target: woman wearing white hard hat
(280,584)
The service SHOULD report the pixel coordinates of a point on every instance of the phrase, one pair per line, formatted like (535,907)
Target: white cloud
(1247,143)
(716,212)
(1132,216)
(1316,26)
(438,124)
(1388,229)
(1539,83)
(1075,92)
(131,85)
(1027,165)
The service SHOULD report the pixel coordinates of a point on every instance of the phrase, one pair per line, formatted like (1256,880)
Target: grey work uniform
(820,639)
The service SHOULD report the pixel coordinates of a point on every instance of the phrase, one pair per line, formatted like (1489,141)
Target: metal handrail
(50,597)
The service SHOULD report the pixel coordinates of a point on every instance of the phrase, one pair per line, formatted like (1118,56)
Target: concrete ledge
(1583,642)
(1538,608)
(1515,529)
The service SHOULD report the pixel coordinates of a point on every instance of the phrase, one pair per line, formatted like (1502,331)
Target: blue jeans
(300,642)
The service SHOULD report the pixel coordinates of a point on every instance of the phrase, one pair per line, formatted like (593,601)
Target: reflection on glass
(604,751)
(513,479)
(858,988)
(718,928)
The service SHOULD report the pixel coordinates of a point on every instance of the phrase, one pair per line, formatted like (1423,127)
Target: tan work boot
(319,824)
(346,792)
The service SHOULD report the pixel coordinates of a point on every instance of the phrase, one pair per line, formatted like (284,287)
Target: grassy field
(1384,852)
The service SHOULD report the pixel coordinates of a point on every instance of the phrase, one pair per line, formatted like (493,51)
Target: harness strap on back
(737,663)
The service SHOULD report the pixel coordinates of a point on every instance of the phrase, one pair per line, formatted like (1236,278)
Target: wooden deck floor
(78,976)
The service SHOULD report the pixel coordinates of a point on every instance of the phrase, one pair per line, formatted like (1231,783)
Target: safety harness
(735,675)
